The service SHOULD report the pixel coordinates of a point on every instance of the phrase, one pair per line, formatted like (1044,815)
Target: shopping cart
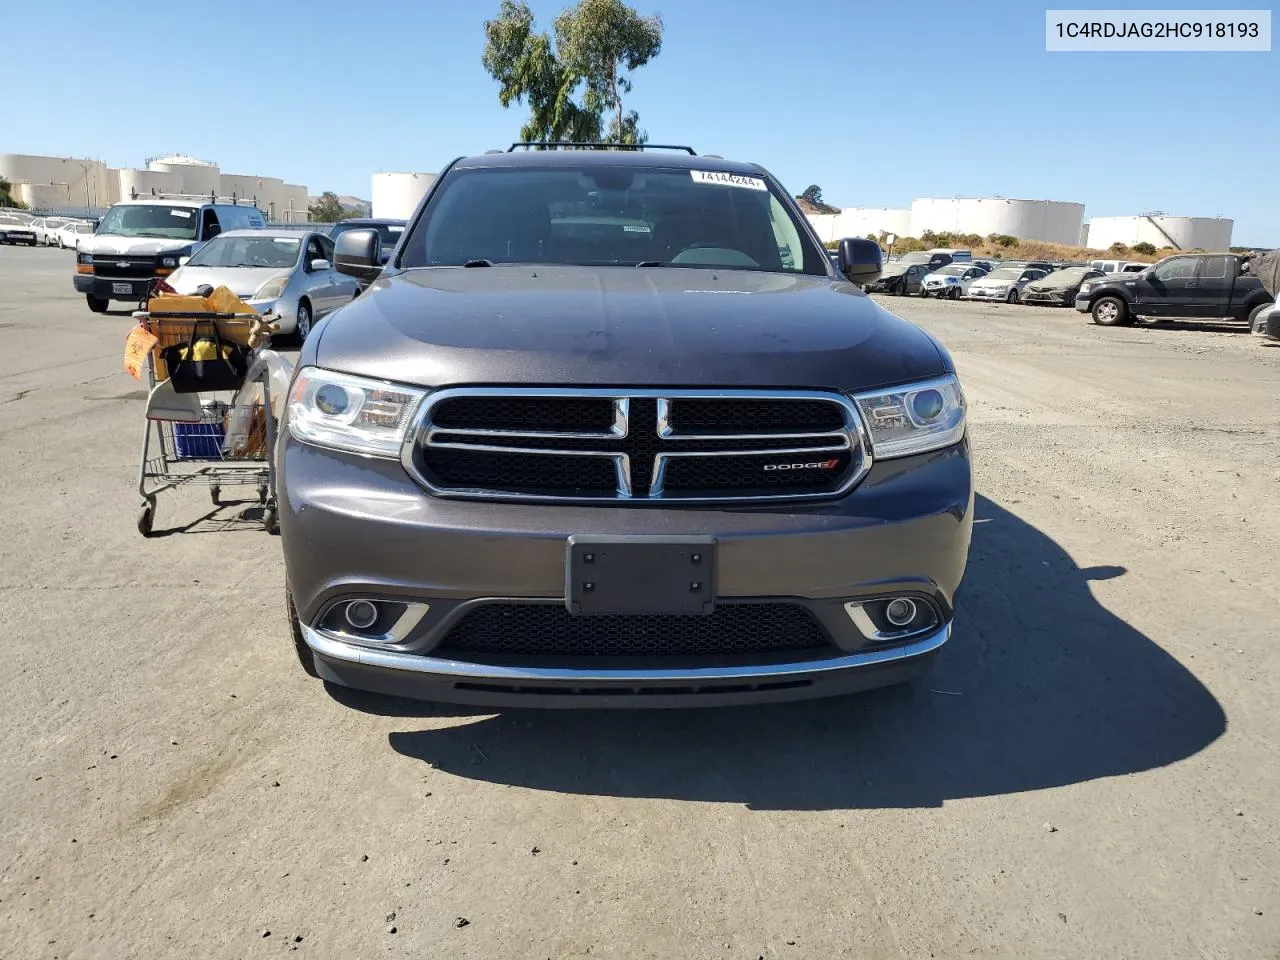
(204,439)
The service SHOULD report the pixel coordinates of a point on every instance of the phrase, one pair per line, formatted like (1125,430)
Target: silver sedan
(287,274)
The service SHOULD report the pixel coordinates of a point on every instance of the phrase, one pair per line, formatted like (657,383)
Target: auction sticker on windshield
(727,179)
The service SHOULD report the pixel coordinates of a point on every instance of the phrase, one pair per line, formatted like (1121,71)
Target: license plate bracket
(125,288)
(640,575)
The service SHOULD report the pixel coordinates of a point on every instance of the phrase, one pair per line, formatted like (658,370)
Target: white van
(139,240)
(1118,266)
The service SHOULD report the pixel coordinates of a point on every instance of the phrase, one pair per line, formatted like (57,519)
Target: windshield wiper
(650,263)
(478,263)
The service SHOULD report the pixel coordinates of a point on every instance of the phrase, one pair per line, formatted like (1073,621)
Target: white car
(46,229)
(16,230)
(1004,283)
(952,281)
(71,234)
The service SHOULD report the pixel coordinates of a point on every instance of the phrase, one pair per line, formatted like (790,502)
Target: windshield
(1004,273)
(1069,275)
(276,252)
(952,270)
(389,233)
(596,215)
(151,220)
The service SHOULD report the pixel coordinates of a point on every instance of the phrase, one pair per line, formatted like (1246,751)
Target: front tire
(96,304)
(304,321)
(1110,312)
(1011,297)
(306,659)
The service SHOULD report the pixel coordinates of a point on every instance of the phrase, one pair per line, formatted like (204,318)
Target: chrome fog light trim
(895,618)
(349,621)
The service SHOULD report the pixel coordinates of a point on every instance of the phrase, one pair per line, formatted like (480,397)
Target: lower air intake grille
(550,630)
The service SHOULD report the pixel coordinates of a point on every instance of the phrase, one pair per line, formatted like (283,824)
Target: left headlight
(351,413)
(912,419)
(271,289)
(84,258)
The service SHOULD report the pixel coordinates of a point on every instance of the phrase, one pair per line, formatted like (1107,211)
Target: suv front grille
(550,630)
(640,445)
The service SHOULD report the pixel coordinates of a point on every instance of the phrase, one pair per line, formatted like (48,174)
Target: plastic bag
(245,432)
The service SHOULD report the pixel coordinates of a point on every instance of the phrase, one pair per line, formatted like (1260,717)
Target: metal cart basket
(207,439)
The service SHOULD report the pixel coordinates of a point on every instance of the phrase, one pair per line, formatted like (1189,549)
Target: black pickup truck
(1200,285)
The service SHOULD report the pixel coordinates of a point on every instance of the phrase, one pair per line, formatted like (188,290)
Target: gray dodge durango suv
(610,428)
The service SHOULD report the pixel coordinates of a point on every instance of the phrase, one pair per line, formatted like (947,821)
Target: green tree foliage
(329,209)
(598,44)
(7,198)
(1146,249)
(812,193)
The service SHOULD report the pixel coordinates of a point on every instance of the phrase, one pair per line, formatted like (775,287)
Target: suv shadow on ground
(1043,687)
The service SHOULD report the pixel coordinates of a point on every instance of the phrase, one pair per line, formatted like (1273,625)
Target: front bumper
(1083,304)
(983,294)
(1055,298)
(355,527)
(18,237)
(105,287)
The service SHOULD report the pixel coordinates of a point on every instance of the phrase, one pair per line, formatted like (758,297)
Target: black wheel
(1012,296)
(146,516)
(304,321)
(924,294)
(306,659)
(270,521)
(1110,312)
(955,293)
(215,493)
(97,304)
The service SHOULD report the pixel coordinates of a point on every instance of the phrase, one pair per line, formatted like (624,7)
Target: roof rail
(233,200)
(587,145)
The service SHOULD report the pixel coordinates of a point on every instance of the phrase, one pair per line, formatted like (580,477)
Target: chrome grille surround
(851,440)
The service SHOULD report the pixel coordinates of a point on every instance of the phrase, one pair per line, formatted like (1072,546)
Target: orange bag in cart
(136,347)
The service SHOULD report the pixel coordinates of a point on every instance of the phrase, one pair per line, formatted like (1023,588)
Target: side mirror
(318,264)
(357,253)
(859,260)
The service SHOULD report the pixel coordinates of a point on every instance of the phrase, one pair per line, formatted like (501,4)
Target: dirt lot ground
(1093,769)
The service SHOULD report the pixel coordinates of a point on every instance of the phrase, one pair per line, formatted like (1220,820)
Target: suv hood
(622,326)
(150,246)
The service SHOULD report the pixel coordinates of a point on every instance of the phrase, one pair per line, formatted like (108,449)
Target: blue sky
(876,102)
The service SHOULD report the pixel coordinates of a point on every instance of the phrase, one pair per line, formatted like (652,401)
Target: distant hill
(350,203)
(808,206)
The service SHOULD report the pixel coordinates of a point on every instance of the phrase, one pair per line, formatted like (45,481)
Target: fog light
(361,614)
(900,612)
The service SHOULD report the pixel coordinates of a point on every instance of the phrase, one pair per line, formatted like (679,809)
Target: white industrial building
(1182,233)
(1053,221)
(396,195)
(68,184)
(861,222)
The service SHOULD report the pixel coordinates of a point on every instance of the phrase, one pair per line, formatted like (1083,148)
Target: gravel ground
(1091,771)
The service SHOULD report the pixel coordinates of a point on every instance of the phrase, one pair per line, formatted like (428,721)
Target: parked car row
(43,231)
(1113,292)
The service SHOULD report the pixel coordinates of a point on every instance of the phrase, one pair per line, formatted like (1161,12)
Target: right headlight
(1085,287)
(271,289)
(916,418)
(351,413)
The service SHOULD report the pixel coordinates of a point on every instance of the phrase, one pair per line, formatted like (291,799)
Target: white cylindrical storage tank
(80,183)
(396,195)
(872,221)
(147,182)
(198,177)
(1053,221)
(267,192)
(1184,233)
(824,225)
